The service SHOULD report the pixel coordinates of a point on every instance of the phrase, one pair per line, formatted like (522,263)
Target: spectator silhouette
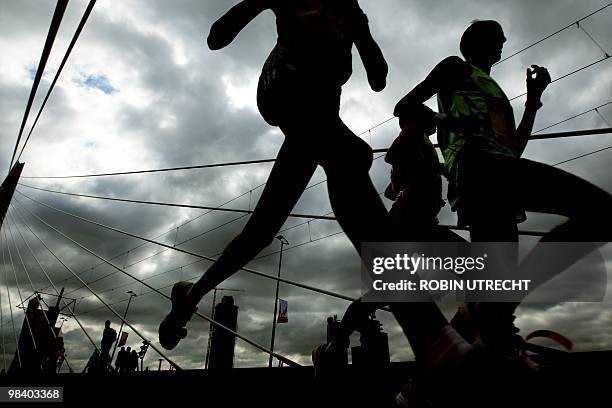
(109,335)
(120,360)
(134,361)
(93,365)
(127,360)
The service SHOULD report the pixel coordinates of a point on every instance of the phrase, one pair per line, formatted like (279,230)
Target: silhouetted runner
(416,182)
(299,91)
(490,186)
(416,189)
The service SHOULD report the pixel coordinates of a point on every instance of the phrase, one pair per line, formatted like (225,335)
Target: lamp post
(283,242)
(132,294)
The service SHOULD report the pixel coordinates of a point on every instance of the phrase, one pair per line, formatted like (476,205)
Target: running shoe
(490,326)
(172,329)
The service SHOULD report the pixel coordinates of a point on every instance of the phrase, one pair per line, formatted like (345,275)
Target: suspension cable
(574,117)
(140,295)
(533,137)
(59,70)
(46,274)
(309,217)
(2,330)
(186,240)
(25,269)
(249,270)
(8,293)
(522,232)
(144,278)
(597,44)
(553,34)
(528,233)
(544,136)
(200,260)
(155,254)
(176,366)
(219,325)
(158,236)
(581,156)
(60,8)
(568,74)
(602,117)
(211,259)
(166,169)
(25,313)
(199,207)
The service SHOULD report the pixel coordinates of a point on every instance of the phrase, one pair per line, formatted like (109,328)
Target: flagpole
(283,242)
(132,294)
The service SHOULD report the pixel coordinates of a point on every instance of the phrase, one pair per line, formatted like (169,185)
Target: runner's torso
(480,99)
(316,36)
(416,181)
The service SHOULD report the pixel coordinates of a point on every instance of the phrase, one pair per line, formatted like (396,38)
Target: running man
(490,185)
(299,91)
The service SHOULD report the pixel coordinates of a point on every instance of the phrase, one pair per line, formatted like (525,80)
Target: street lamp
(132,294)
(283,242)
(63,319)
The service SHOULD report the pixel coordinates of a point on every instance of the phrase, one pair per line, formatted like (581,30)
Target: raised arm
(226,28)
(371,55)
(538,79)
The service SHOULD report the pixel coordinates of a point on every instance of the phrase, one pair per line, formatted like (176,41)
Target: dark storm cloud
(175,103)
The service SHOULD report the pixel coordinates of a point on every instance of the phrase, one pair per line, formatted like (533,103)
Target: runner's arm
(226,28)
(371,55)
(444,75)
(535,87)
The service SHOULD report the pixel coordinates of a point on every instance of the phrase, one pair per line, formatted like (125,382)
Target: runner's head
(482,42)
(416,119)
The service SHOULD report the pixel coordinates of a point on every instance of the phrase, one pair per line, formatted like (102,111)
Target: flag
(283,317)
(123,339)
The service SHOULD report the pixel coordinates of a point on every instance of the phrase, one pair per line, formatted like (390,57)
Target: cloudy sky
(141,90)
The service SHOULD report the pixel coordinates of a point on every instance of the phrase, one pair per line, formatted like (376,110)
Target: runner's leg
(540,188)
(547,189)
(288,179)
(364,218)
